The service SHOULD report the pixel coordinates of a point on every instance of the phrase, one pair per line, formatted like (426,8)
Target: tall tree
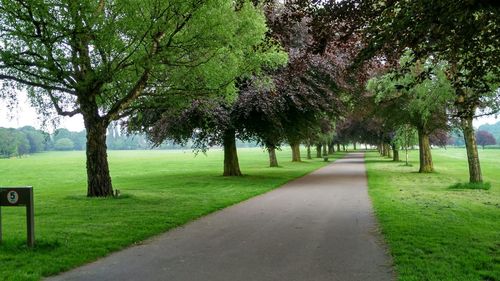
(97,58)
(464,33)
(422,102)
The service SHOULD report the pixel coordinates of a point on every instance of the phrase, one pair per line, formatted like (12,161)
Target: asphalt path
(319,227)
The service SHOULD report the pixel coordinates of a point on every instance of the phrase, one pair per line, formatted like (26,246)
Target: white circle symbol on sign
(12,197)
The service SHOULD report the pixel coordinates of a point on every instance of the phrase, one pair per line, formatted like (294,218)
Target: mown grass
(436,232)
(160,190)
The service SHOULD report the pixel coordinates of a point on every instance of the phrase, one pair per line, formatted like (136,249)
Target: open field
(160,190)
(434,232)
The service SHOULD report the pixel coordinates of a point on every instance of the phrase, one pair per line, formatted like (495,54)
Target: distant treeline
(28,140)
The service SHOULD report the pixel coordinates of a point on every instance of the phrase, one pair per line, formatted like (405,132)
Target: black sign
(15,196)
(19,196)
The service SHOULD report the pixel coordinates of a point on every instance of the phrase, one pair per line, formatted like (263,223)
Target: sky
(24,114)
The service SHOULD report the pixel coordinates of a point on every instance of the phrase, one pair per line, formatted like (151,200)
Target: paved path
(319,227)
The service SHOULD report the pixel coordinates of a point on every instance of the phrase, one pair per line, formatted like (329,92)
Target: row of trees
(212,71)
(209,71)
(105,59)
(439,65)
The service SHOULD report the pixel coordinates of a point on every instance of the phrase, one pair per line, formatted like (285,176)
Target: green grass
(160,190)
(435,232)
(471,185)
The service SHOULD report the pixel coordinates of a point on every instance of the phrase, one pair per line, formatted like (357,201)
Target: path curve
(319,227)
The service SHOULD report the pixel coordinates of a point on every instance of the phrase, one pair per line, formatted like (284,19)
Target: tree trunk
(395,153)
(273,160)
(406,155)
(231,164)
(318,151)
(344,148)
(388,149)
(383,148)
(475,175)
(331,148)
(354,144)
(424,145)
(309,152)
(338,147)
(98,177)
(325,150)
(295,152)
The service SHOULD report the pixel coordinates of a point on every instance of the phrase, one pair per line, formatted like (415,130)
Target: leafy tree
(407,137)
(7,142)
(463,33)
(22,143)
(421,102)
(440,137)
(37,139)
(64,144)
(494,129)
(13,143)
(258,111)
(97,58)
(206,122)
(485,138)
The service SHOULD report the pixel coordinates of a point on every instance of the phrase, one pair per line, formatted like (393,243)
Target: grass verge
(160,190)
(434,232)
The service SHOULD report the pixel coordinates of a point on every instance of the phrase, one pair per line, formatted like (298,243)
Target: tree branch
(58,108)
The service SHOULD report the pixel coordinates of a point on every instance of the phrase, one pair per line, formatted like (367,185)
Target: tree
(440,138)
(485,138)
(389,28)
(407,136)
(64,144)
(309,84)
(258,111)
(37,139)
(421,102)
(97,58)
(208,123)
(494,129)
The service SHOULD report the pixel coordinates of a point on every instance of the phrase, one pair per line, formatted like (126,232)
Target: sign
(12,197)
(19,196)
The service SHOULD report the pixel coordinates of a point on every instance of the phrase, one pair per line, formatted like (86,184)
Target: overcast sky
(24,115)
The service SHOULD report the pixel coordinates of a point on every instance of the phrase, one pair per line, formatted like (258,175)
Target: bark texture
(331,148)
(318,151)
(475,175)
(295,152)
(425,155)
(273,161)
(231,163)
(395,153)
(388,149)
(98,177)
(383,149)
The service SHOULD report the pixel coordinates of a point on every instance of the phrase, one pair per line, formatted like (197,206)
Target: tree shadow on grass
(19,245)
(469,185)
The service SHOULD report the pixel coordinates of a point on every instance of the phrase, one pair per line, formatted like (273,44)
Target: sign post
(19,196)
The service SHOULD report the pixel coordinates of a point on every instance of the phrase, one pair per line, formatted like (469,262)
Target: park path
(318,227)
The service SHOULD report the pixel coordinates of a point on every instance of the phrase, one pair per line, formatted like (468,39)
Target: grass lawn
(434,232)
(160,190)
